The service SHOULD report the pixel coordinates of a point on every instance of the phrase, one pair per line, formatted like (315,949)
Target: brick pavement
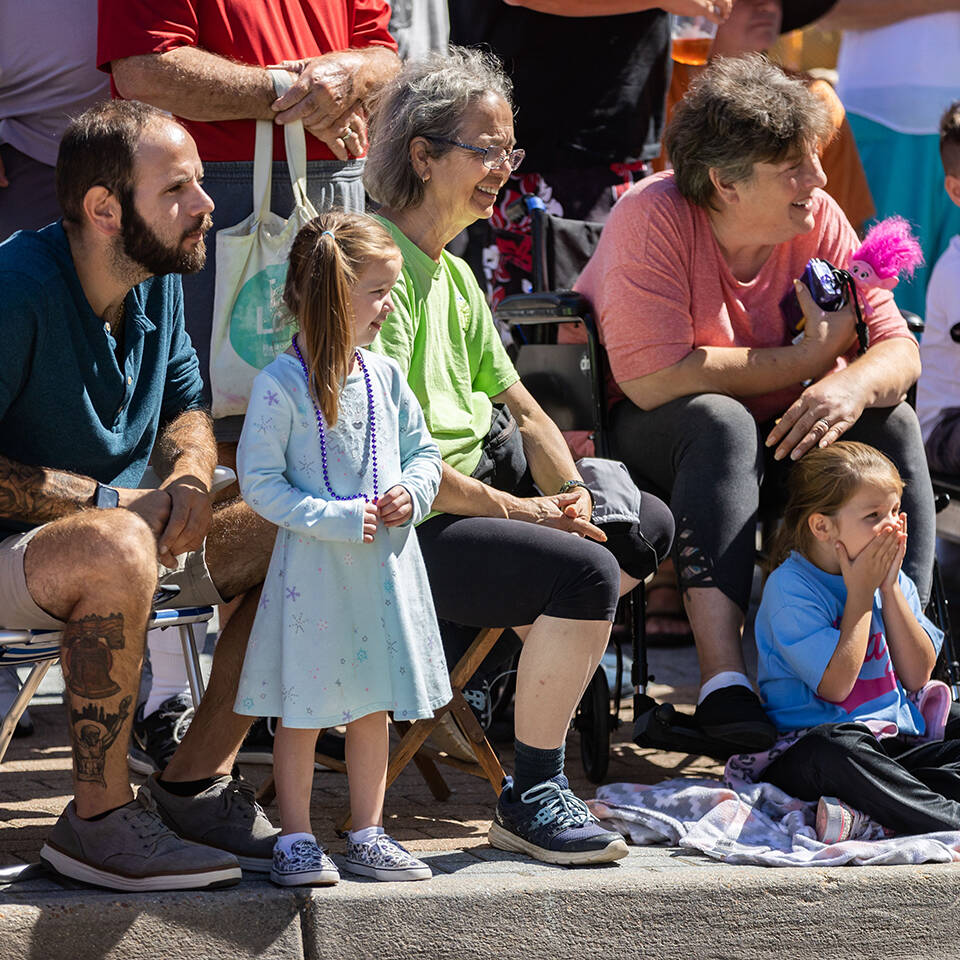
(35,782)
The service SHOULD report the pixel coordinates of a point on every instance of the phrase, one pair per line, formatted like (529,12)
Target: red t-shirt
(660,287)
(263,33)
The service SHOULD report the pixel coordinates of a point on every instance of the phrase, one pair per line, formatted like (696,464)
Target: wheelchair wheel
(592,720)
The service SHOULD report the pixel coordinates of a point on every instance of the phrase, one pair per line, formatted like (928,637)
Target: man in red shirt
(205,63)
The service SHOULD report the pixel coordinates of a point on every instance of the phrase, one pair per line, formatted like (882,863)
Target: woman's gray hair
(738,112)
(428,98)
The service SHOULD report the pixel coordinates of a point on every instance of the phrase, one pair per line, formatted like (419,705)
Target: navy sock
(532,766)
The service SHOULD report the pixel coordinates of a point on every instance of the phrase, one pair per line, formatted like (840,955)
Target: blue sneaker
(550,823)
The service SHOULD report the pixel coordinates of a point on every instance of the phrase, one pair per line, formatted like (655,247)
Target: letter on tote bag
(249,323)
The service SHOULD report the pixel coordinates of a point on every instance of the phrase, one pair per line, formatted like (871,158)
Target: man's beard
(141,245)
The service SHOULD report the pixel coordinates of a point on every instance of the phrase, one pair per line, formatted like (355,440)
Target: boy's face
(952,185)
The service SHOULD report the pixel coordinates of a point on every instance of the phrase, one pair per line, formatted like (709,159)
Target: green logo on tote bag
(259,324)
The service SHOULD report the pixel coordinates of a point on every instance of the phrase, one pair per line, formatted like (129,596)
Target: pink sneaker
(838,821)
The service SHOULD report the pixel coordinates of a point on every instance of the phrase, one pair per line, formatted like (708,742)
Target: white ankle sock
(286,840)
(365,834)
(729,678)
(166,662)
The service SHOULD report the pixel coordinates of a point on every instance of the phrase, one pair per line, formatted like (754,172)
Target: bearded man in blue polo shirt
(97,377)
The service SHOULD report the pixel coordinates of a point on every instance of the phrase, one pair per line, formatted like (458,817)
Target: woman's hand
(826,335)
(891,579)
(864,575)
(563,511)
(395,506)
(819,416)
(370,515)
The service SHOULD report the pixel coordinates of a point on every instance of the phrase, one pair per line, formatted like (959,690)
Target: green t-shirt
(443,336)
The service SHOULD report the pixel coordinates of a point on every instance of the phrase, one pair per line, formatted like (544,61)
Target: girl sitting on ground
(335,452)
(842,638)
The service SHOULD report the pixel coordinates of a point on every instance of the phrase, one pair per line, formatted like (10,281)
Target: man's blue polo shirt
(65,401)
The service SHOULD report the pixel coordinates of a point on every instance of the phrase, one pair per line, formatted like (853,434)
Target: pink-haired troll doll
(888,250)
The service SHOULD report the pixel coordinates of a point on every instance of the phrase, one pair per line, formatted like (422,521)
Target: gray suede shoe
(133,849)
(226,815)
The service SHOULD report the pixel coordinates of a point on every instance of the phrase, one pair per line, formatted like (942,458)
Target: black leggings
(906,787)
(706,454)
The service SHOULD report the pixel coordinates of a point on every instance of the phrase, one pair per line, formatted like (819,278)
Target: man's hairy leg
(97,571)
(238,550)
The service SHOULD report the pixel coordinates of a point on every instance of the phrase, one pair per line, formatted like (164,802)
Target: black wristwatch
(105,498)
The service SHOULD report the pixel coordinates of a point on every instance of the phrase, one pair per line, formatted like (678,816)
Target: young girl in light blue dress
(335,452)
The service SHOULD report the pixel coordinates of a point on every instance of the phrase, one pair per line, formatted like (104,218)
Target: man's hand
(819,416)
(323,96)
(395,506)
(152,506)
(370,515)
(190,514)
(717,11)
(563,511)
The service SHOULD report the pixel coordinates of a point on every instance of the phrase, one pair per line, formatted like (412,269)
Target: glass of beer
(692,38)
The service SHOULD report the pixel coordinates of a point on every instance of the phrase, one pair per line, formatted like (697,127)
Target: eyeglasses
(493,157)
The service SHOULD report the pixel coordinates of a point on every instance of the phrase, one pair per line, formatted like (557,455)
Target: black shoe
(735,716)
(155,738)
(257,747)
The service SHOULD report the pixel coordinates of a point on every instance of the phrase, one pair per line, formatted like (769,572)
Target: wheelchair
(569,382)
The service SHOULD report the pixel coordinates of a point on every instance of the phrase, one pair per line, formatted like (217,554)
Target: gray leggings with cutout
(705,455)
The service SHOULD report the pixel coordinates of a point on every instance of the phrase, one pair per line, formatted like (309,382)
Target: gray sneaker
(226,815)
(133,849)
(385,859)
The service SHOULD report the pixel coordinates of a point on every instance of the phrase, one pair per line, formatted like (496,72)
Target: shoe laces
(242,793)
(146,821)
(383,845)
(557,805)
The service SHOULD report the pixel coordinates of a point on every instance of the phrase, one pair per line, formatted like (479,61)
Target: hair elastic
(328,233)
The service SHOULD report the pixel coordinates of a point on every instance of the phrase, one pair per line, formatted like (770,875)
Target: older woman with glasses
(499,551)
(692,283)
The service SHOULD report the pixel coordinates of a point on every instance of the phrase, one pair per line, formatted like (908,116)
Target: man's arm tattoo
(38,494)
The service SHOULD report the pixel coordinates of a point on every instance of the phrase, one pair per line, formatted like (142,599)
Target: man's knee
(96,553)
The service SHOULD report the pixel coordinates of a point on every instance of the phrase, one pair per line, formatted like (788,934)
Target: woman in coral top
(713,391)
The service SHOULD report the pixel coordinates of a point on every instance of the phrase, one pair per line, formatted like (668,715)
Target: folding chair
(42,649)
(414,734)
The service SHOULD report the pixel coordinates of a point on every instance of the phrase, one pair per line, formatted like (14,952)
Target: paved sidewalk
(481,903)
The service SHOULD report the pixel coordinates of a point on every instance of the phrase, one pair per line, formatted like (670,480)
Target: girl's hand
(867,572)
(890,580)
(396,507)
(369,522)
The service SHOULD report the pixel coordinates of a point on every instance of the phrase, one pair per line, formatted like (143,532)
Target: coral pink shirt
(661,288)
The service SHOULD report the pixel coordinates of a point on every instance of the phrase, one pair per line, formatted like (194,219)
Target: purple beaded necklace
(323,440)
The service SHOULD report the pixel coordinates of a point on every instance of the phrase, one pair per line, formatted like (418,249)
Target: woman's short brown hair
(741,111)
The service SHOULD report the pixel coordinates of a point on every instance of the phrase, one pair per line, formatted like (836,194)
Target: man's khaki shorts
(19,611)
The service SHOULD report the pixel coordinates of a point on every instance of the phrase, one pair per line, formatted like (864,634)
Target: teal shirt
(65,399)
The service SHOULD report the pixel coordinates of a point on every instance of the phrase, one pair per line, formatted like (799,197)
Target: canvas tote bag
(250,324)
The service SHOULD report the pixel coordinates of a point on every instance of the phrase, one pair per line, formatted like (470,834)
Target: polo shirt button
(129,380)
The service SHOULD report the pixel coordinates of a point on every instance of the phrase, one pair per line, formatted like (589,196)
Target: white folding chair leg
(191,660)
(20,704)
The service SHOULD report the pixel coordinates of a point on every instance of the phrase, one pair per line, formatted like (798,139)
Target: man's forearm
(370,67)
(196,85)
(870,14)
(40,495)
(187,446)
(467,497)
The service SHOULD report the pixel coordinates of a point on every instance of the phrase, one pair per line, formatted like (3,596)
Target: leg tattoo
(87,659)
(94,731)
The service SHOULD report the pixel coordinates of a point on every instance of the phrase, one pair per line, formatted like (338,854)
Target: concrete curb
(485,904)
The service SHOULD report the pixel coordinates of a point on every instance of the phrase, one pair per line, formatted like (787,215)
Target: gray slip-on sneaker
(226,815)
(133,849)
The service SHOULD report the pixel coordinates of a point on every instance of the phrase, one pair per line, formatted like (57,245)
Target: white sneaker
(384,859)
(837,821)
(306,865)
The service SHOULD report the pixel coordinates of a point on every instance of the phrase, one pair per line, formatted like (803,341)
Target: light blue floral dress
(344,628)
